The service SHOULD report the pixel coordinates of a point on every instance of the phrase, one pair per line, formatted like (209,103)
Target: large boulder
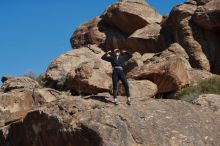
(140,89)
(167,69)
(88,78)
(129,16)
(90,123)
(129,24)
(82,66)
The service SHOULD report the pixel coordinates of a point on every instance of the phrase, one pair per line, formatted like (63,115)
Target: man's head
(117,52)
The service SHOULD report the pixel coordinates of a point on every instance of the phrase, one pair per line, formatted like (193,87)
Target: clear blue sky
(34,32)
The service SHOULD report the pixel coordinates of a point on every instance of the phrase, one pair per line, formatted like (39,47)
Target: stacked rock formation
(74,106)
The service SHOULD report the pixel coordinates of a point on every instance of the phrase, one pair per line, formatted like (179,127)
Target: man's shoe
(128,102)
(116,101)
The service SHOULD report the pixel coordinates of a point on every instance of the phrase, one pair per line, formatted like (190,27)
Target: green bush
(208,86)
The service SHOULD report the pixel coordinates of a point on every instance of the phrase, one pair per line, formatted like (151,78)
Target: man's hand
(123,51)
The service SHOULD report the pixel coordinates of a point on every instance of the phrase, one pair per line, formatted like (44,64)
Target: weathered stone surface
(167,69)
(14,105)
(130,16)
(19,83)
(92,123)
(211,101)
(56,74)
(140,89)
(46,95)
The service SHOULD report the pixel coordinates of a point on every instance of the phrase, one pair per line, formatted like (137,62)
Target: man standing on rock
(117,60)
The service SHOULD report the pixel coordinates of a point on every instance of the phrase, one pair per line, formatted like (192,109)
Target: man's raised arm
(107,56)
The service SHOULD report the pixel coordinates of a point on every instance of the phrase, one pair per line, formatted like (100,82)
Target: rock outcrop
(91,123)
(194,25)
(177,50)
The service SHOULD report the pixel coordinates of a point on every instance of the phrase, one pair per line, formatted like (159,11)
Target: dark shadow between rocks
(100,98)
(114,37)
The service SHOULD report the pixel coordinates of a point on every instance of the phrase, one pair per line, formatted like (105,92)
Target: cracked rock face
(195,26)
(90,122)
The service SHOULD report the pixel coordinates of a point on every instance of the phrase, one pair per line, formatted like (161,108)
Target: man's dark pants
(118,74)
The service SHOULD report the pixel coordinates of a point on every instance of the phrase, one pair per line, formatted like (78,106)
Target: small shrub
(31,75)
(35,77)
(208,86)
